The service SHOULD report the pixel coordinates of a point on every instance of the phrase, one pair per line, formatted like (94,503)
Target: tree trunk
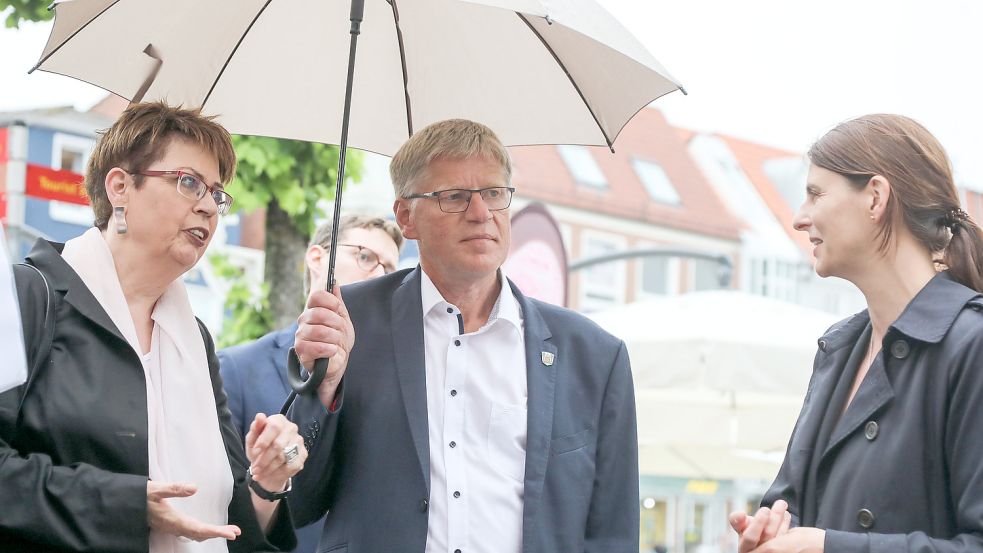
(285,247)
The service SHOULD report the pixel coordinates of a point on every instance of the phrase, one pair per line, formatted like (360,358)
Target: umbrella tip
(683,90)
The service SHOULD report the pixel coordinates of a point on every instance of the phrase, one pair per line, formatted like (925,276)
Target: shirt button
(424,504)
(453,393)
(449,310)
(457,551)
(865,518)
(900,349)
(457,494)
(453,444)
(457,342)
(870,430)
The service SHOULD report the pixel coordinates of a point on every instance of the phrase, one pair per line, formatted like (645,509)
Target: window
(73,214)
(656,181)
(659,276)
(70,153)
(602,285)
(706,275)
(583,166)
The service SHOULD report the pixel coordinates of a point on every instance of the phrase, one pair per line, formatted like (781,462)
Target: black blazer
(902,470)
(73,461)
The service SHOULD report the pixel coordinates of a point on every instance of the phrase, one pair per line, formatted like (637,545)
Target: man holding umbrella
(458,415)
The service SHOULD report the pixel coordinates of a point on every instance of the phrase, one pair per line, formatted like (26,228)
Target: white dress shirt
(476,408)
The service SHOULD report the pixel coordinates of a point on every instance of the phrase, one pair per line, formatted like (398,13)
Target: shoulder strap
(48,331)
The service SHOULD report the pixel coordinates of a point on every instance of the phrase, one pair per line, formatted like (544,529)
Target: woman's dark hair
(923,191)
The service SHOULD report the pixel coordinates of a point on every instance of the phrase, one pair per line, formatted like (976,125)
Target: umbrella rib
(576,87)
(70,37)
(402,61)
(233,53)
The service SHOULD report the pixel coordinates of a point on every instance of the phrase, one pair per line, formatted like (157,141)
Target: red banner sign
(55,184)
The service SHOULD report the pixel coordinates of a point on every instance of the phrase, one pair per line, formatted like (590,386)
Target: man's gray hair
(450,139)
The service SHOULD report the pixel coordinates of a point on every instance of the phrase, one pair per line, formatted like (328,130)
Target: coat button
(865,518)
(424,504)
(870,430)
(823,344)
(900,349)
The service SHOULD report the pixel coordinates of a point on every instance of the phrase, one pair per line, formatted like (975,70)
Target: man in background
(255,374)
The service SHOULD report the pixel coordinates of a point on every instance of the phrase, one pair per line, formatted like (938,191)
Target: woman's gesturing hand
(764,526)
(164,518)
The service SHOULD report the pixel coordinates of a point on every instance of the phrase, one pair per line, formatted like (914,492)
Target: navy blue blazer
(369,459)
(255,380)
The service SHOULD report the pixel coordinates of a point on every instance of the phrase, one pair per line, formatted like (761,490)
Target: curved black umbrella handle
(295,378)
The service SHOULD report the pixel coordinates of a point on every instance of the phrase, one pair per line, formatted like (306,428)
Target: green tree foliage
(24,10)
(289,178)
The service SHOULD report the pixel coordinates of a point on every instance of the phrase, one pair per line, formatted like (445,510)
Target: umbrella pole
(309,386)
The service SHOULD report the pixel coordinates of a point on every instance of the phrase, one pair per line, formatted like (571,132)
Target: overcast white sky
(775,71)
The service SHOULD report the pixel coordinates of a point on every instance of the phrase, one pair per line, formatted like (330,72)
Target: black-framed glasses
(456,200)
(193,188)
(368,260)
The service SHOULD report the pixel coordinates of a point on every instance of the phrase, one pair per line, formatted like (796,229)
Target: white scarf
(184,441)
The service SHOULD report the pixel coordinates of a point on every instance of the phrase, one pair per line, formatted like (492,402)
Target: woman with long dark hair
(886,455)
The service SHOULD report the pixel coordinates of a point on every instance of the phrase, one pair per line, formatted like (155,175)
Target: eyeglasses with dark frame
(192,187)
(368,260)
(457,200)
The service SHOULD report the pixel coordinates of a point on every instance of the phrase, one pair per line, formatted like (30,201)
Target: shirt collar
(506,306)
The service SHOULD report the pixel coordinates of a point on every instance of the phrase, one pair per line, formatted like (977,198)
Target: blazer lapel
(826,375)
(874,393)
(47,257)
(408,346)
(542,363)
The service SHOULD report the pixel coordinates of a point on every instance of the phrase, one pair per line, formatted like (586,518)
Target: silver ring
(291,452)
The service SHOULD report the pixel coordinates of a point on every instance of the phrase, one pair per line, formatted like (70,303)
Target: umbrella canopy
(711,434)
(721,340)
(537,72)
(719,379)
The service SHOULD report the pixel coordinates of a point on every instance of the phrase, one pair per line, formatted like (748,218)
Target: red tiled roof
(752,158)
(541,174)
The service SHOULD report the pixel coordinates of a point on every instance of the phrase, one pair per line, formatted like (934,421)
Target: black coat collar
(927,318)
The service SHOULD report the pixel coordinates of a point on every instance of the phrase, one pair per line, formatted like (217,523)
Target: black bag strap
(47,335)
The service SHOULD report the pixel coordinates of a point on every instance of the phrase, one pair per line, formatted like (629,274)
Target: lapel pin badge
(548,358)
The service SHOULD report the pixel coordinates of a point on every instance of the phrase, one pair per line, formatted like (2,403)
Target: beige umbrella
(722,340)
(536,71)
(711,434)
(719,376)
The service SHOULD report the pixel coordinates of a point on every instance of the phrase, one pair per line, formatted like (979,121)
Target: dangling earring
(119,217)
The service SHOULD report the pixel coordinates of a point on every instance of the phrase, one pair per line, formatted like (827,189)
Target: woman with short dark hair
(121,439)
